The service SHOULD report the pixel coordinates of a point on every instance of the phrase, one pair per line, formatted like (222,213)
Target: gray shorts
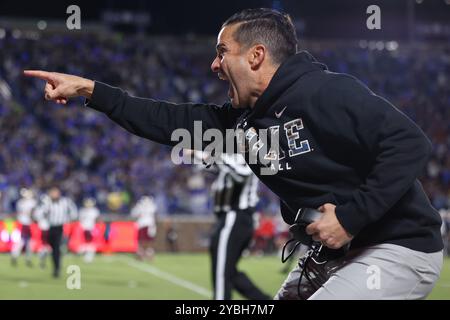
(384,271)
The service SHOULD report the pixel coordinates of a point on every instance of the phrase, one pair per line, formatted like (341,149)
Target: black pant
(54,239)
(232,234)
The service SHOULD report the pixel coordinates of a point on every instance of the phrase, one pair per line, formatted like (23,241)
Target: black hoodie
(339,143)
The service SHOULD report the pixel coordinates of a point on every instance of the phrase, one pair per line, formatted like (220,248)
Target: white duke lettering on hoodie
(296,146)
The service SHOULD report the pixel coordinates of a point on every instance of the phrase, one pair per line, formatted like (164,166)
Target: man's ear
(257,55)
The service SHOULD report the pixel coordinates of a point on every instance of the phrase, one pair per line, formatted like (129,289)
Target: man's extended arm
(155,119)
(148,118)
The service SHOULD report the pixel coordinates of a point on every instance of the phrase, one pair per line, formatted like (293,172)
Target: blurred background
(163,50)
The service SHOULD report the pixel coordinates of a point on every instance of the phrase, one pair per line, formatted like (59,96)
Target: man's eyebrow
(220,46)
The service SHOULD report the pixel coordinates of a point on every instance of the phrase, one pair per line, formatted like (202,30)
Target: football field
(120,276)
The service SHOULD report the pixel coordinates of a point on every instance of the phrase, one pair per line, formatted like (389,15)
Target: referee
(235,198)
(58,210)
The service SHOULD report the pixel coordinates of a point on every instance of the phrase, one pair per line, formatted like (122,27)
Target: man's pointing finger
(44,75)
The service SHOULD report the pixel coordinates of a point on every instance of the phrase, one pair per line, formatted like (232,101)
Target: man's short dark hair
(269,27)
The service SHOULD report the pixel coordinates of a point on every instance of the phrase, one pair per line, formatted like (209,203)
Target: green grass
(123,277)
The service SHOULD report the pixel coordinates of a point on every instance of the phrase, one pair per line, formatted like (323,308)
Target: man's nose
(215,65)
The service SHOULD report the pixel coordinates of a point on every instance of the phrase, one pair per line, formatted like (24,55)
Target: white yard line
(169,277)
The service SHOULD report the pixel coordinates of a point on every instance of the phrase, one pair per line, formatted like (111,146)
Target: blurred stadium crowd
(89,156)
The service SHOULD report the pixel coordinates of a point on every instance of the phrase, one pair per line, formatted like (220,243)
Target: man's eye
(220,54)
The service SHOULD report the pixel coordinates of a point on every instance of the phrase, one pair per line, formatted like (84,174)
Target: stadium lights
(42,25)
(16,34)
(378,45)
(391,45)
(372,45)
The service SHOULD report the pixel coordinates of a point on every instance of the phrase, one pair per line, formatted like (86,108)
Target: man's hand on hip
(60,87)
(328,230)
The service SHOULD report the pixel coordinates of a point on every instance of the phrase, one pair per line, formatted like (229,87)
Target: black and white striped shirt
(236,187)
(57,212)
